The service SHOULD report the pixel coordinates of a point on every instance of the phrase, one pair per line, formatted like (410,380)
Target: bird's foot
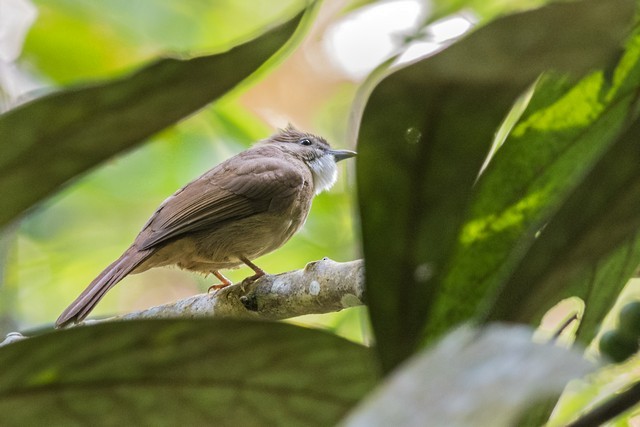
(217,287)
(246,282)
(225,282)
(249,280)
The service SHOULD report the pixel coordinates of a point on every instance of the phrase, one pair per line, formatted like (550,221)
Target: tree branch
(321,287)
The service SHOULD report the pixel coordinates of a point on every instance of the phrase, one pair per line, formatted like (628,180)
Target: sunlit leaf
(562,132)
(183,372)
(598,217)
(425,134)
(78,40)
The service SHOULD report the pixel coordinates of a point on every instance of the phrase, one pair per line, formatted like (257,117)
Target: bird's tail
(114,273)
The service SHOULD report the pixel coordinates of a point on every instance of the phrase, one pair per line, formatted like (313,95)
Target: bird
(243,208)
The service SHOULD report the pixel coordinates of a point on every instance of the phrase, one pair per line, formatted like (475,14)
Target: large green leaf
(598,217)
(183,372)
(425,134)
(53,139)
(601,283)
(563,131)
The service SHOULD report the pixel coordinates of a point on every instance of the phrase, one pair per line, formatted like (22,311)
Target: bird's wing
(222,195)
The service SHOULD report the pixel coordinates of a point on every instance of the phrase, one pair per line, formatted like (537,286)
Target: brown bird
(245,207)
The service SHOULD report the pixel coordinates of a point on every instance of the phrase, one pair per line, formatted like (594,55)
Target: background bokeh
(53,252)
(57,250)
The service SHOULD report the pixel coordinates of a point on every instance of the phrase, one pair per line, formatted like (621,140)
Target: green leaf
(53,139)
(601,285)
(100,38)
(560,136)
(425,134)
(598,218)
(562,132)
(183,372)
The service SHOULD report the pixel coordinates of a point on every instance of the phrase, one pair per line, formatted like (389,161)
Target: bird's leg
(259,272)
(225,282)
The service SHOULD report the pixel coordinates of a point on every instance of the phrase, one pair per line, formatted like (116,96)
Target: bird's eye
(305,141)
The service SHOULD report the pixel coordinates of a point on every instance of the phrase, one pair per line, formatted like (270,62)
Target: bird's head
(315,152)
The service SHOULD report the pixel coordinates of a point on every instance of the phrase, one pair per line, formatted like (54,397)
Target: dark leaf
(425,134)
(183,372)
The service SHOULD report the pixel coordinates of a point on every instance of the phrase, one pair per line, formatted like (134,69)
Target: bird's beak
(342,154)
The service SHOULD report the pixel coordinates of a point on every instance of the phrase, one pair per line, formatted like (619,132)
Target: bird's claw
(216,288)
(246,282)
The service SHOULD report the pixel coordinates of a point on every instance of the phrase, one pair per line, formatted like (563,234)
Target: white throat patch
(325,173)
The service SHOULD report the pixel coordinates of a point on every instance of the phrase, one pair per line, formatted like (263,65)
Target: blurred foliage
(103,38)
(582,395)
(448,235)
(481,367)
(484,10)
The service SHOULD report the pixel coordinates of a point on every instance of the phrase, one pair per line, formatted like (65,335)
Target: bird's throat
(325,173)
